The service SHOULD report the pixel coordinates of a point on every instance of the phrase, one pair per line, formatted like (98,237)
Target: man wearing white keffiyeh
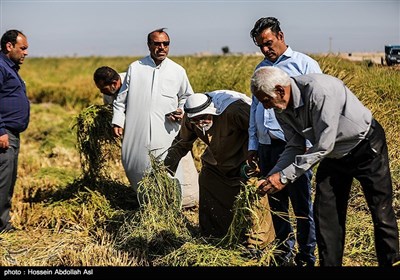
(221,120)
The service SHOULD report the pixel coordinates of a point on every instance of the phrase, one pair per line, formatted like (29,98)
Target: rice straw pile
(96,142)
(158,233)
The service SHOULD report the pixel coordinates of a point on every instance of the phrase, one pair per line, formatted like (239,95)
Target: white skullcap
(199,104)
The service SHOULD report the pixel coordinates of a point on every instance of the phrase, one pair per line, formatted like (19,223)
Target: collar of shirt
(287,54)
(9,62)
(154,64)
(296,94)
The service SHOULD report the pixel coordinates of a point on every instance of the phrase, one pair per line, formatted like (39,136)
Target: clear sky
(113,28)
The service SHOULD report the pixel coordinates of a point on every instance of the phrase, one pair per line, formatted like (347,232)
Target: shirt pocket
(170,88)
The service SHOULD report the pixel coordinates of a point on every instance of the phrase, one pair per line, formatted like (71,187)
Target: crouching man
(221,120)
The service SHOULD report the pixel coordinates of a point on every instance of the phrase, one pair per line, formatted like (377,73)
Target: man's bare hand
(175,116)
(118,131)
(4,144)
(252,156)
(270,185)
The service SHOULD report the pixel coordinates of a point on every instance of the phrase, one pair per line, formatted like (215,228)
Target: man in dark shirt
(14,117)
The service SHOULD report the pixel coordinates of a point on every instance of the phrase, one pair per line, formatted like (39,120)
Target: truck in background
(392,55)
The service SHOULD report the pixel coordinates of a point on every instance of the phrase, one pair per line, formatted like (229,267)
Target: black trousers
(299,194)
(369,164)
(8,176)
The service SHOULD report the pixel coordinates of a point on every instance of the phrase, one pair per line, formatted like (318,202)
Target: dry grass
(72,203)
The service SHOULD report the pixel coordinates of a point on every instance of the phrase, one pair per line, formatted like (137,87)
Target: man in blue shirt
(14,117)
(267,141)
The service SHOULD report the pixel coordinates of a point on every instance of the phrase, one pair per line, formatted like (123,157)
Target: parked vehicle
(392,55)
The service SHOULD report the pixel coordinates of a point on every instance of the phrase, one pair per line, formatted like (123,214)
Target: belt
(371,129)
(359,145)
(273,140)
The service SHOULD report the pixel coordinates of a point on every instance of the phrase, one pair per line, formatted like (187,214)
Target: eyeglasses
(158,44)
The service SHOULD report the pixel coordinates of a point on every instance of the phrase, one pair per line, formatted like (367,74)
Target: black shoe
(396,261)
(283,261)
(303,263)
(253,253)
(9,229)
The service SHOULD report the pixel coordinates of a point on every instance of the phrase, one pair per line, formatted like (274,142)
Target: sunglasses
(158,44)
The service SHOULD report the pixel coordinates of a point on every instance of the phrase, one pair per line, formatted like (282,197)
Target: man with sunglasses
(221,120)
(154,87)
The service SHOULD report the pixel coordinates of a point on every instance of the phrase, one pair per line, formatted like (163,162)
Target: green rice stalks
(199,253)
(96,142)
(246,217)
(159,226)
(158,189)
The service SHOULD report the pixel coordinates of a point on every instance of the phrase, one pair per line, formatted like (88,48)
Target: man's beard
(204,127)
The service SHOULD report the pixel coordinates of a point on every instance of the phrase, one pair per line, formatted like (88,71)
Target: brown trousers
(216,199)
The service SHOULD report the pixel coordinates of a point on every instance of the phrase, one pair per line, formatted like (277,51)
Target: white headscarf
(220,99)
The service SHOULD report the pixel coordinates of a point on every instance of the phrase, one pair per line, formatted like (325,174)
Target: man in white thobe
(153,87)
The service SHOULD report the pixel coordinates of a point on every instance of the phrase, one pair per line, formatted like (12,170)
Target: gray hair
(266,78)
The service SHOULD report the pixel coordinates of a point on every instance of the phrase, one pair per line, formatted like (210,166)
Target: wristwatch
(284,180)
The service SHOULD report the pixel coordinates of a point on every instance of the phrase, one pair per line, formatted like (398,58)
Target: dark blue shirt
(14,103)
